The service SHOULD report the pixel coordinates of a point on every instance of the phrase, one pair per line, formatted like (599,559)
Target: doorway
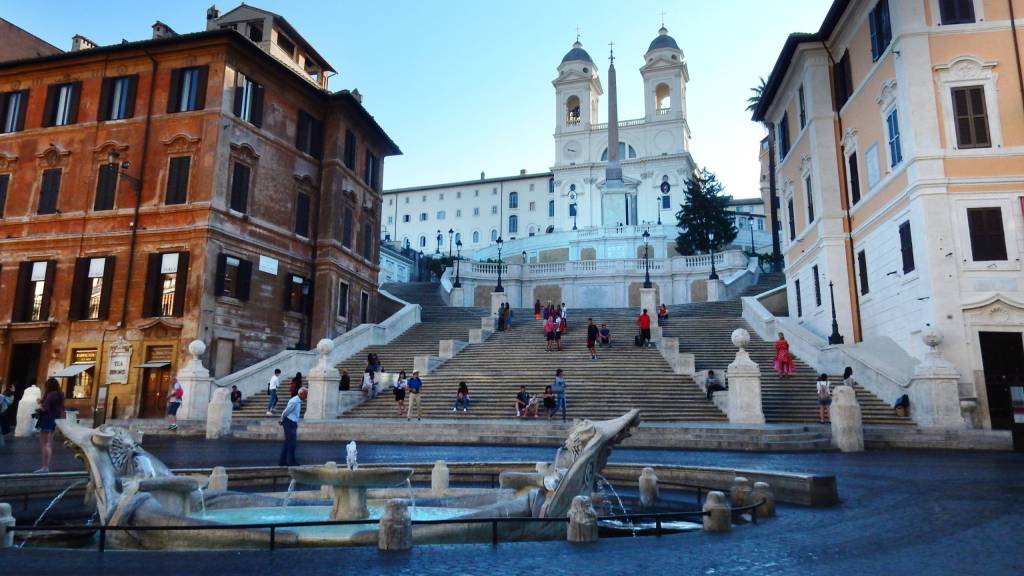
(155,382)
(22,371)
(1002,357)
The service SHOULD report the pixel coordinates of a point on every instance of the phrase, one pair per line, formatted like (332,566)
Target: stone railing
(622,124)
(487,268)
(734,285)
(627,265)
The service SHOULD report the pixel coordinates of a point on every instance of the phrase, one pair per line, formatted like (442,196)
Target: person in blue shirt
(413,386)
(290,421)
(559,388)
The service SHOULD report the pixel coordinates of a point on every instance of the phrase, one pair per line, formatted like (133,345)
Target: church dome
(663,41)
(577,54)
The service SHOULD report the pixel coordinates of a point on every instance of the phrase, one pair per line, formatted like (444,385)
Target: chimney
(79,42)
(161,30)
(212,13)
(522,172)
(481,174)
(357,95)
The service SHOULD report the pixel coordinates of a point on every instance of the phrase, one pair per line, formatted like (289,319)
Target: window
(551,185)
(406,218)
(423,216)
(62,104)
(33,291)
(817,285)
(248,103)
(572,111)
(494,209)
(513,200)
(440,196)
(286,45)
(240,187)
(423,241)
(391,219)
(892,123)
(302,214)
(297,294)
(117,98)
(986,230)
(50,191)
(666,202)
(854,173)
(458,213)
(476,211)
(364,307)
(956,11)
(494,234)
(106,187)
(551,208)
(843,79)
(177,180)
(783,129)
(792,220)
(881,31)
(623,150)
(440,214)
(533,206)
(513,224)
(370,175)
(799,302)
(12,111)
(309,135)
(862,271)
(233,277)
(810,200)
(350,149)
(907,247)
(166,280)
(476,237)
(476,193)
(342,300)
(187,90)
(803,106)
(255,30)
(531,186)
(970,117)
(346,227)
(367,241)
(458,195)
(407,199)
(458,238)
(5,181)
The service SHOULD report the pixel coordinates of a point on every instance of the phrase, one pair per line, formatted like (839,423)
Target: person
(559,388)
(848,377)
(275,382)
(369,385)
(549,401)
(501,318)
(563,312)
(783,362)
(414,386)
(461,398)
(536,309)
(824,398)
(51,409)
(399,391)
(525,404)
(549,333)
(644,322)
(592,338)
(662,314)
(605,335)
(509,314)
(296,383)
(174,396)
(236,398)
(290,421)
(6,409)
(559,330)
(712,384)
(346,380)
(545,313)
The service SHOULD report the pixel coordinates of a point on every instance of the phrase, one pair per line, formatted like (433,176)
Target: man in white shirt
(290,423)
(275,381)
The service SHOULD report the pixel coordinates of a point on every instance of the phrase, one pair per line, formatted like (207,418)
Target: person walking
(51,409)
(296,383)
(272,386)
(509,314)
(559,389)
(461,398)
(644,322)
(549,333)
(501,318)
(174,396)
(536,309)
(290,421)
(399,391)
(559,330)
(592,335)
(783,362)
(848,377)
(824,392)
(564,313)
(414,386)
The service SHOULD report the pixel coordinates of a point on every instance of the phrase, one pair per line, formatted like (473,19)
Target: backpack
(179,392)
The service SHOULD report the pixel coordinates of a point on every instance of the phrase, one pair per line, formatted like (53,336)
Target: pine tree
(703,211)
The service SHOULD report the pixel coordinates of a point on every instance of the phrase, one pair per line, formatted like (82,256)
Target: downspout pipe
(1016,52)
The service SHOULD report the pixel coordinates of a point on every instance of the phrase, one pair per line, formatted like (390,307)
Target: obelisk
(613,172)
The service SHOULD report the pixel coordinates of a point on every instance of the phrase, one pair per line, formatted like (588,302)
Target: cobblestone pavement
(901,513)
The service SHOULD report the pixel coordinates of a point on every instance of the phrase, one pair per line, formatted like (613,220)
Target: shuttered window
(342,300)
(33,291)
(817,285)
(988,242)
(234,277)
(309,135)
(177,180)
(297,293)
(842,76)
(248,104)
(166,284)
(810,200)
(971,118)
(50,191)
(5,182)
(367,241)
(799,300)
(61,107)
(370,174)
(240,187)
(803,106)
(783,129)
(106,187)
(862,270)
(956,11)
(302,214)
(907,247)
(91,288)
(12,111)
(117,98)
(187,91)
(881,30)
(792,220)
(854,172)
(346,228)
(892,124)
(350,149)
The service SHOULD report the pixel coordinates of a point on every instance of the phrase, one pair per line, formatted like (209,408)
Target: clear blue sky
(464,86)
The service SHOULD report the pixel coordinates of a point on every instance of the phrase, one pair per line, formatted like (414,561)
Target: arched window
(405,242)
(513,199)
(476,236)
(494,234)
(551,185)
(662,98)
(572,111)
(550,229)
(623,150)
(551,208)
(423,241)
(533,230)
(458,237)
(513,224)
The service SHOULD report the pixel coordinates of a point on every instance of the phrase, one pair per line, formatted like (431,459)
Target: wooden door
(155,382)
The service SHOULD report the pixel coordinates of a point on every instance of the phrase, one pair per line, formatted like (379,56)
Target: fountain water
(351,456)
(604,487)
(288,495)
(202,500)
(50,506)
(412,499)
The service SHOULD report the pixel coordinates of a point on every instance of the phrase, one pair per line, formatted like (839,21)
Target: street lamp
(439,238)
(711,247)
(835,337)
(658,209)
(573,207)
(647,266)
(750,222)
(458,259)
(499,287)
(450,232)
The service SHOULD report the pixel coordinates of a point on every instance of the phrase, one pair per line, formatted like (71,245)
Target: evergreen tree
(704,211)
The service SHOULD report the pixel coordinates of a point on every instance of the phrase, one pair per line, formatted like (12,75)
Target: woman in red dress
(783,359)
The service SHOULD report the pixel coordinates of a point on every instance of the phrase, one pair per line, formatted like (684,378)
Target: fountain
(350,484)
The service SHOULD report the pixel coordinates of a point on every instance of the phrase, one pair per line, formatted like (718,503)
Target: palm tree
(752,103)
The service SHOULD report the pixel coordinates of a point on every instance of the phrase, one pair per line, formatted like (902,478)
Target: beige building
(900,174)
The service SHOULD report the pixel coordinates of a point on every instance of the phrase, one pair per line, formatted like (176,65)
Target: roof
(745,202)
(290,30)
(471,182)
(15,29)
(789,49)
(577,54)
(348,97)
(663,40)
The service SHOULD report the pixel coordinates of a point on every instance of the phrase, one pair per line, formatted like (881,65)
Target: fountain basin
(350,485)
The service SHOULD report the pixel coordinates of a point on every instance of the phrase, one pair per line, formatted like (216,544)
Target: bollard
(763,491)
(439,478)
(648,487)
(739,495)
(582,521)
(6,522)
(718,517)
(218,479)
(395,532)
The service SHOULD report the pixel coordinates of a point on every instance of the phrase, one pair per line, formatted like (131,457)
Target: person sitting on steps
(604,336)
(525,404)
(712,384)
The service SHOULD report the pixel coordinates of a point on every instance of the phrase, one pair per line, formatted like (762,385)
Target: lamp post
(647,266)
(439,238)
(711,247)
(499,287)
(419,266)
(450,233)
(658,209)
(835,337)
(750,222)
(458,259)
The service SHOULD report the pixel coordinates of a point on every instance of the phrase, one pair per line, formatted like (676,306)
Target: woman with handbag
(51,408)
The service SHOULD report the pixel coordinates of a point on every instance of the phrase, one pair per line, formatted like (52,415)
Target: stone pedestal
(714,290)
(847,426)
(719,518)
(196,384)
(218,479)
(744,384)
(582,521)
(395,532)
(489,324)
(762,492)
(478,335)
(439,478)
(425,364)
(218,415)
(498,299)
(6,521)
(457,297)
(934,392)
(739,494)
(29,404)
(447,349)
(324,379)
(649,300)
(648,487)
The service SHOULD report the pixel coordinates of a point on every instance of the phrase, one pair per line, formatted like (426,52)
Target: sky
(464,86)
